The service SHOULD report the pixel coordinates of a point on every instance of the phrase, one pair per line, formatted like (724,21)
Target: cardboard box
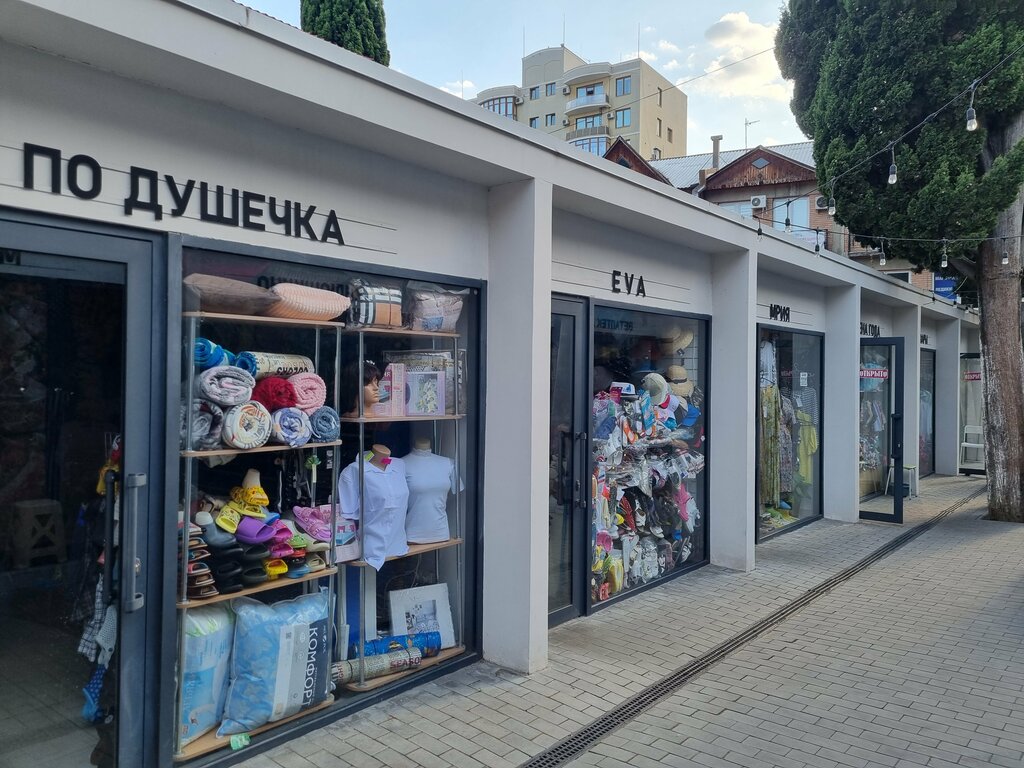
(392,393)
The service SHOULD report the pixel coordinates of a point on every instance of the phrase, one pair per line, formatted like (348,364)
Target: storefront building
(591,382)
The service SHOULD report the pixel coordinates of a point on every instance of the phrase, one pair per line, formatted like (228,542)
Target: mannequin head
(380,455)
(369,392)
(422,444)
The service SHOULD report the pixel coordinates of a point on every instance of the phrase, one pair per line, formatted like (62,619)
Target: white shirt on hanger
(386,502)
(431,478)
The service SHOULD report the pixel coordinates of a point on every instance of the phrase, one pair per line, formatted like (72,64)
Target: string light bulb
(945,255)
(817,246)
(831,206)
(881,257)
(972,116)
(1006,254)
(789,224)
(892,167)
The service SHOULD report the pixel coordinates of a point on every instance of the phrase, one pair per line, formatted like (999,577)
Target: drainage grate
(579,742)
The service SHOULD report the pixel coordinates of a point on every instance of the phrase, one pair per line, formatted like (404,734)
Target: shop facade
(589,416)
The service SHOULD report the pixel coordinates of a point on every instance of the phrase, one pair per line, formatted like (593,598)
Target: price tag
(803,379)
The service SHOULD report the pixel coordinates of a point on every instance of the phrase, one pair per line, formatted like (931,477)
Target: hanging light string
(972,124)
(936,240)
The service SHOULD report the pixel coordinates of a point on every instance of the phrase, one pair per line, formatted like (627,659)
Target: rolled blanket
(375,666)
(225,385)
(207,422)
(275,392)
(208,354)
(325,423)
(290,426)
(246,426)
(310,391)
(263,364)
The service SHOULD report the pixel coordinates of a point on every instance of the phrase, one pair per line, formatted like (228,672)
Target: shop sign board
(874,373)
(945,286)
(870,329)
(633,283)
(924,338)
(778,312)
(149,191)
(972,375)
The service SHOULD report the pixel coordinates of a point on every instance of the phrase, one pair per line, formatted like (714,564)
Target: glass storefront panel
(926,446)
(875,409)
(648,484)
(972,414)
(789,429)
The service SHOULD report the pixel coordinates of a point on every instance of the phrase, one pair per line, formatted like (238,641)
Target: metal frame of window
(623,117)
(624,85)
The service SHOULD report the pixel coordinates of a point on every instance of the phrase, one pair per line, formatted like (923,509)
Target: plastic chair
(974,439)
(915,479)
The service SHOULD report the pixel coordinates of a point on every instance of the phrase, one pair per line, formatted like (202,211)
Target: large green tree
(357,25)
(866,73)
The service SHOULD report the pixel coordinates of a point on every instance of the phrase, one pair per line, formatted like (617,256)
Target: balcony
(583,133)
(596,101)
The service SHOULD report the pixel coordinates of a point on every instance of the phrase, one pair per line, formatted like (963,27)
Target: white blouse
(431,478)
(386,500)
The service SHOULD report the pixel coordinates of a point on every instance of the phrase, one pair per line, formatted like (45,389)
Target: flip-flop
(252,531)
(254,575)
(198,569)
(315,563)
(281,549)
(200,593)
(215,537)
(198,554)
(228,519)
(200,581)
(255,553)
(196,542)
(275,568)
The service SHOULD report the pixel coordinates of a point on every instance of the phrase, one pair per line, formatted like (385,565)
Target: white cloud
(734,38)
(645,55)
(667,47)
(691,61)
(460,88)
(669,66)
(649,29)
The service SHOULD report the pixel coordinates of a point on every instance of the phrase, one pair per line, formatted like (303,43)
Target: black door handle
(109,482)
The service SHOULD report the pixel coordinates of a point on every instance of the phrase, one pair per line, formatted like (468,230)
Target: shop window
(789,429)
(649,477)
(926,449)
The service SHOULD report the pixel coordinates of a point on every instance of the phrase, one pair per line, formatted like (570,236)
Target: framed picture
(422,609)
(424,393)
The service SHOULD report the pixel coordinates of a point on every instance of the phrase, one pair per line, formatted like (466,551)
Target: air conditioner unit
(821,203)
(519,99)
(566,90)
(757,202)
(566,121)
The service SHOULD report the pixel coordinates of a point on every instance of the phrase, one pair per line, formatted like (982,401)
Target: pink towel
(310,391)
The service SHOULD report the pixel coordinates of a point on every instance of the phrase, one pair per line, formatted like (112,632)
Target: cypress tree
(357,25)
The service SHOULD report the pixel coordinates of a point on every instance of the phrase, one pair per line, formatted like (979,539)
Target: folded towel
(263,364)
(325,423)
(208,354)
(225,385)
(207,423)
(275,392)
(290,426)
(246,426)
(310,391)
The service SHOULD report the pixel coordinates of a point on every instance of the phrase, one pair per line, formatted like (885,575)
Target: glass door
(880,461)
(75,444)
(568,496)
(926,449)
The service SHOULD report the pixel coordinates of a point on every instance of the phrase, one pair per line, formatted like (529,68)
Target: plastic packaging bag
(209,632)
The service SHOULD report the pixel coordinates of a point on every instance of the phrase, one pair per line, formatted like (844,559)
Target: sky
(464,47)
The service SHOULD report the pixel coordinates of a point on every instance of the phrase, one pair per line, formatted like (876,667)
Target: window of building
(594,89)
(535,122)
(549,89)
(590,121)
(623,85)
(655,154)
(549,118)
(799,212)
(746,210)
(659,127)
(668,134)
(900,275)
(504,105)
(659,97)
(534,92)
(596,145)
(623,118)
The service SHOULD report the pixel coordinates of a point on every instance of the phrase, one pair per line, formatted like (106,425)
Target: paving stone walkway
(923,644)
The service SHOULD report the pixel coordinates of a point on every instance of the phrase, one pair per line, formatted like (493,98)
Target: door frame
(895,426)
(925,351)
(146,418)
(579,545)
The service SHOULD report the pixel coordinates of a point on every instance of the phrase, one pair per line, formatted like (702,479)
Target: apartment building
(592,104)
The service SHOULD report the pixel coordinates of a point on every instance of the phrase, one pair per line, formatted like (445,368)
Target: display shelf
(377,682)
(414,549)
(376,419)
(400,332)
(210,742)
(261,449)
(278,583)
(283,322)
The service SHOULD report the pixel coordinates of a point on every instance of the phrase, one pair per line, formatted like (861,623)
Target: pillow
(209,632)
(280,663)
(375,304)
(231,297)
(434,310)
(300,302)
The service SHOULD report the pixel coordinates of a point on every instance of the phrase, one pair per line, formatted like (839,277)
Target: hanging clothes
(771,416)
(788,426)
(808,446)
(807,401)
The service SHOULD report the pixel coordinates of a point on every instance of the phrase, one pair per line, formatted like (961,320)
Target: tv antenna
(747,124)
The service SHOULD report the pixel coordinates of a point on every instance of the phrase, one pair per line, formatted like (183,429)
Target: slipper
(315,563)
(300,541)
(215,537)
(228,519)
(198,569)
(254,496)
(297,567)
(281,549)
(254,575)
(270,517)
(281,532)
(199,593)
(298,552)
(252,531)
(319,546)
(255,553)
(198,554)
(275,568)
(314,522)
(234,552)
(201,581)
(196,542)
(227,572)
(248,510)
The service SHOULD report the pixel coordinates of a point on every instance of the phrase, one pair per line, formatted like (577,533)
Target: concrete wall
(806,302)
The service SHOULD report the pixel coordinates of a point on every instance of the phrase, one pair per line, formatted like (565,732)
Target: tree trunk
(1002,354)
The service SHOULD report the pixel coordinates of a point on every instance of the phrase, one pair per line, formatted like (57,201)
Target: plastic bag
(209,632)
